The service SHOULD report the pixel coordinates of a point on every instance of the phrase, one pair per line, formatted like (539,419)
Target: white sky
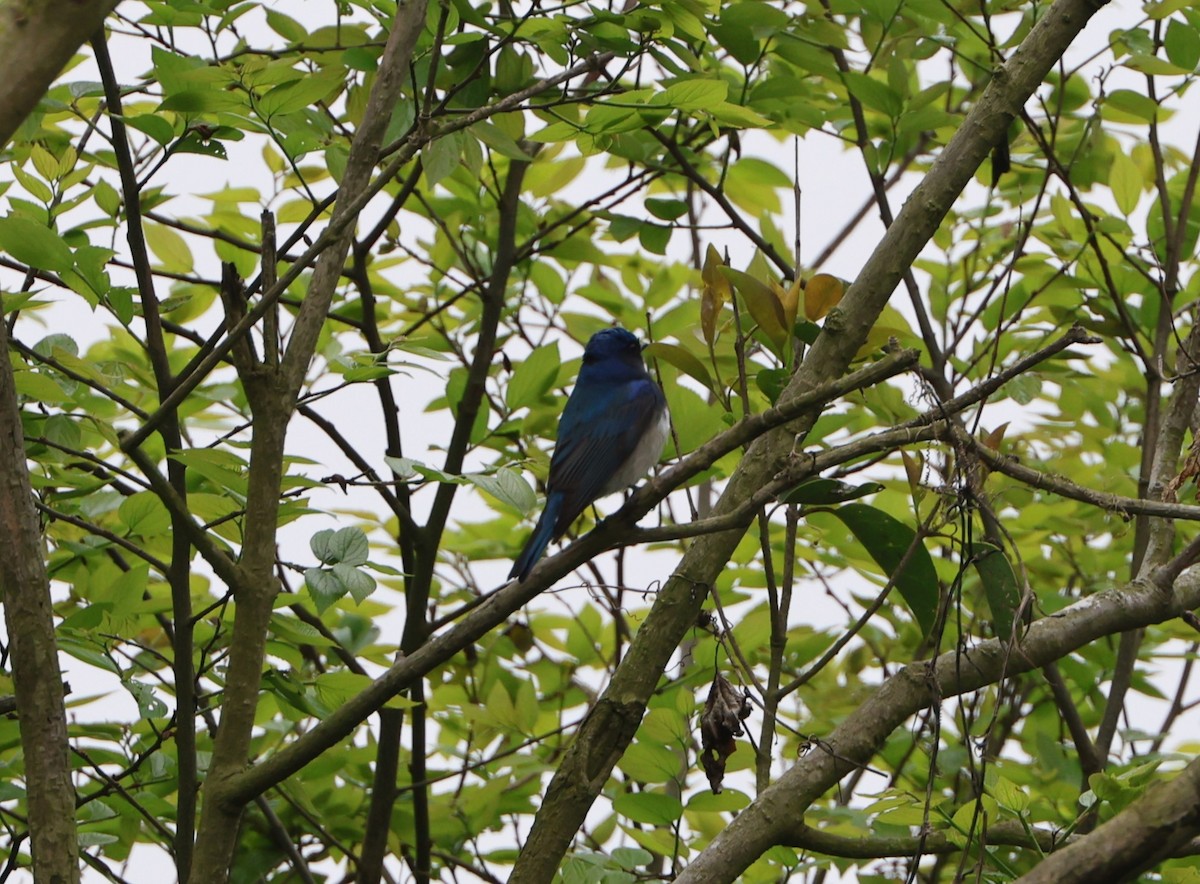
(834,187)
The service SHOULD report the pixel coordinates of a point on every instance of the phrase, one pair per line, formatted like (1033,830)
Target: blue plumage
(611,433)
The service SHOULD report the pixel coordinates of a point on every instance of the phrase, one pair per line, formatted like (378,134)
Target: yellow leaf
(993,439)
(715,293)
(822,294)
(790,299)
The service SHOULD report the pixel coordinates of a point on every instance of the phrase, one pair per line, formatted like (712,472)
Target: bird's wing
(598,432)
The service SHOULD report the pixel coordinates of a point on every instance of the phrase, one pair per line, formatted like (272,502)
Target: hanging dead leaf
(721,721)
(821,294)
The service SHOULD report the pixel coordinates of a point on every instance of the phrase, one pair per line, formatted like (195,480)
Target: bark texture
(33,651)
(1148,831)
(37,38)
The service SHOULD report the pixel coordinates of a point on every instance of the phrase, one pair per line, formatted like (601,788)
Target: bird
(612,431)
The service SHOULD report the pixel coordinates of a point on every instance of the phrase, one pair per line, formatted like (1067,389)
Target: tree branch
(1155,826)
(768,819)
(272,391)
(603,737)
(37,679)
(36,41)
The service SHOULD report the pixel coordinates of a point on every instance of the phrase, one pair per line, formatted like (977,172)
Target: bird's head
(613,344)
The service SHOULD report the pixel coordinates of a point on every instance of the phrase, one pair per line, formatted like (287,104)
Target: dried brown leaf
(721,721)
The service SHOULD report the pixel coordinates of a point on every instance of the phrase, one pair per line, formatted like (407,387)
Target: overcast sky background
(834,188)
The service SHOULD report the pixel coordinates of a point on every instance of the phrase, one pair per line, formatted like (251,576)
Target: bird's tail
(543,533)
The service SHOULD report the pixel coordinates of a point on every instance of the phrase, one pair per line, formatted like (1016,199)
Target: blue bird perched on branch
(611,433)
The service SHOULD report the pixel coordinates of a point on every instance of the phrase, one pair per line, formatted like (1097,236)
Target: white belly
(644,457)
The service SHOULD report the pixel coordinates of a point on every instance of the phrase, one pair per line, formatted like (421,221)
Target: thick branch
(1152,828)
(272,392)
(767,821)
(34,651)
(604,736)
(36,41)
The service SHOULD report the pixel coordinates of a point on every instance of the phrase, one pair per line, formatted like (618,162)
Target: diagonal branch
(614,720)
(1157,825)
(769,819)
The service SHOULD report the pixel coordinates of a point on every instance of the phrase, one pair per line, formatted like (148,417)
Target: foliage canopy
(292,298)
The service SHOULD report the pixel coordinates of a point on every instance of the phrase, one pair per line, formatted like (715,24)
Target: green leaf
(729,800)
(193,141)
(999,586)
(56,342)
(654,238)
(1125,179)
(62,429)
(156,127)
(34,244)
(288,98)
(729,114)
(666,209)
(200,101)
(693,95)
(148,703)
(357,582)
(534,377)
(1134,107)
(107,198)
(1009,795)
(806,331)
(771,382)
(345,545)
(631,857)
(1145,63)
(682,359)
(286,26)
(873,93)
(1182,44)
(886,540)
(499,141)
(324,587)
(440,157)
(651,763)
(508,487)
(827,491)
(144,514)
(649,808)
(169,247)
(1023,388)
(407,468)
